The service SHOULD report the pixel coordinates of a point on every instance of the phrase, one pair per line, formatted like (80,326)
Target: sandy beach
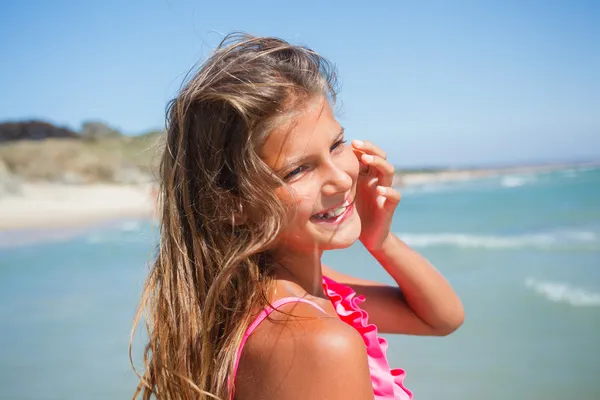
(46,205)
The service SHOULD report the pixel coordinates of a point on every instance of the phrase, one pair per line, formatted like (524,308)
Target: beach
(53,205)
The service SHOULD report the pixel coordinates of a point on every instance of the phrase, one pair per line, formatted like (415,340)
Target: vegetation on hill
(38,151)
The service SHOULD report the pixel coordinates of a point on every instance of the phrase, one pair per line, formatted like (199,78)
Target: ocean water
(522,251)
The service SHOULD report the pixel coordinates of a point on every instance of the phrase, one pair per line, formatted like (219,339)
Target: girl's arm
(423,303)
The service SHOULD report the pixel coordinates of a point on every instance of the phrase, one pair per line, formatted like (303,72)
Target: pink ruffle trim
(387,383)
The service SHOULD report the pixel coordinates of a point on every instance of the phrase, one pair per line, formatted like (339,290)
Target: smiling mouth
(334,214)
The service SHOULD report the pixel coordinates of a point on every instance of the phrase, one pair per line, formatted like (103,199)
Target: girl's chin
(316,236)
(345,236)
(339,240)
(319,242)
(338,245)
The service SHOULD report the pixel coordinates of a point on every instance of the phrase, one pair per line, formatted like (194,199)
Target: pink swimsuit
(387,383)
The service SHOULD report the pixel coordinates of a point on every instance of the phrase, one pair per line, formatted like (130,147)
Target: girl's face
(321,171)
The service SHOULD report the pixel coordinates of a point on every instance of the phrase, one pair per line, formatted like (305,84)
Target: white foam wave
(131,226)
(542,240)
(428,188)
(511,181)
(560,292)
(125,232)
(113,237)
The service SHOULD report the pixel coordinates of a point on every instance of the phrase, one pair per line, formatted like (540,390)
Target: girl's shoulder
(297,321)
(300,343)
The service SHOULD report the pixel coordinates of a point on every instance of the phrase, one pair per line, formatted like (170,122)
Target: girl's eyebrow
(301,159)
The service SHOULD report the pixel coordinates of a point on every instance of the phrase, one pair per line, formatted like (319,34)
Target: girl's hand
(376,200)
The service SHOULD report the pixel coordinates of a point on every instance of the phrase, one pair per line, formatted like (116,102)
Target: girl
(256,182)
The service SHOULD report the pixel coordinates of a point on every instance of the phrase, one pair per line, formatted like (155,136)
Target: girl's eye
(293,173)
(337,145)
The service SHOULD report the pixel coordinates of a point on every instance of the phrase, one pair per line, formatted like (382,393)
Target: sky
(434,83)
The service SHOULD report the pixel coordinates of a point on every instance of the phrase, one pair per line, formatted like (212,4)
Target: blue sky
(433,83)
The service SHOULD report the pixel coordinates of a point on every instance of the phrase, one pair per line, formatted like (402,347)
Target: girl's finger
(368,148)
(358,153)
(385,169)
(392,196)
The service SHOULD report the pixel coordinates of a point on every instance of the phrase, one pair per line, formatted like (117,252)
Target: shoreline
(54,206)
(408,178)
(58,206)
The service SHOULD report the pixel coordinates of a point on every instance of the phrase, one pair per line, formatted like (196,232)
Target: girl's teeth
(336,212)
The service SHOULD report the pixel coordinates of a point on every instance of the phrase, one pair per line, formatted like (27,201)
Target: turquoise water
(522,251)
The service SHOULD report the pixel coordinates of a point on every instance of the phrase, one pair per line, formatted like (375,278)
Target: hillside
(40,152)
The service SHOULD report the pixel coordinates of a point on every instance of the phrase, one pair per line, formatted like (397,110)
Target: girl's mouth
(334,216)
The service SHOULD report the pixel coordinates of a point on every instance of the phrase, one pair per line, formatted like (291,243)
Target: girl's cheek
(283,194)
(351,163)
(304,202)
(297,199)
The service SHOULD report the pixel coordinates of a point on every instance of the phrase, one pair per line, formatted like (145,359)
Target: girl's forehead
(306,131)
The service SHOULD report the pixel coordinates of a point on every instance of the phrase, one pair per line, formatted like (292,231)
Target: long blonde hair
(218,213)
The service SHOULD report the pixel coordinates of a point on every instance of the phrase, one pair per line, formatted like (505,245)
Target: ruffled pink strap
(387,383)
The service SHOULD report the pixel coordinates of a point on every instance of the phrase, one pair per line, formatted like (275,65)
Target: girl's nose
(337,181)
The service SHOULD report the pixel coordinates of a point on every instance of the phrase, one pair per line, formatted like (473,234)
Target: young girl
(257,180)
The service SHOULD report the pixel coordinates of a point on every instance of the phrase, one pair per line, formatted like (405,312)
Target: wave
(130,226)
(540,241)
(107,238)
(560,292)
(473,183)
(124,232)
(511,181)
(428,188)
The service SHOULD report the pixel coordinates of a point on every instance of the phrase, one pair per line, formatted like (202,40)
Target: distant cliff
(38,151)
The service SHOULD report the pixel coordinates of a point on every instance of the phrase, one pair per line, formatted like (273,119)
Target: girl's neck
(302,269)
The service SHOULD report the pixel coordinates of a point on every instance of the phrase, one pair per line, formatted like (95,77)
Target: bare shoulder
(303,353)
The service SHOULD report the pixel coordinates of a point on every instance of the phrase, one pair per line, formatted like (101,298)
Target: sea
(522,251)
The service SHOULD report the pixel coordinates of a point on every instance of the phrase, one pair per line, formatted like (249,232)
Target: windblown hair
(219,216)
